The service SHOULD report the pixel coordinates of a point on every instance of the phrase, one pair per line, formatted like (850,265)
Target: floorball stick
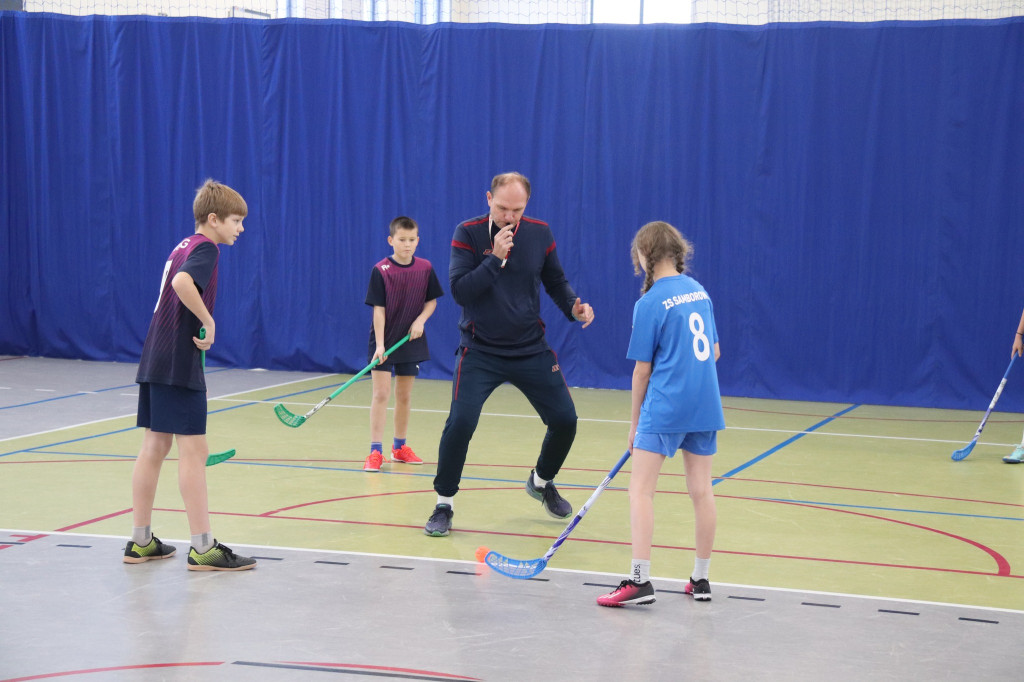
(528,568)
(296,420)
(217,457)
(963,452)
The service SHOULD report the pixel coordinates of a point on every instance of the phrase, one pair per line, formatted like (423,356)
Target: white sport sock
(142,535)
(450,501)
(700,569)
(640,571)
(538,482)
(203,542)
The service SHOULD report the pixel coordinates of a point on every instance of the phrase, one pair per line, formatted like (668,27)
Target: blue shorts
(697,442)
(172,409)
(401,369)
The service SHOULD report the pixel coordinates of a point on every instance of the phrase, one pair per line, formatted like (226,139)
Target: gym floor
(848,545)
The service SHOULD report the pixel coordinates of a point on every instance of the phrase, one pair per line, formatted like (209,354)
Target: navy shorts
(401,369)
(172,409)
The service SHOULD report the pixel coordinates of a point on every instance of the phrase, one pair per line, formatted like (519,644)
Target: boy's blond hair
(214,197)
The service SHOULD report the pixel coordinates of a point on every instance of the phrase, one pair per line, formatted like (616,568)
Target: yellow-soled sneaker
(136,554)
(218,558)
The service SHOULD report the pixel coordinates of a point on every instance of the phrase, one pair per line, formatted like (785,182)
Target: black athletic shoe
(440,522)
(699,590)
(554,504)
(135,554)
(218,558)
(629,592)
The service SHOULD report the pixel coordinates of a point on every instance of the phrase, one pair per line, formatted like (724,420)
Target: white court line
(45,390)
(131,414)
(616,576)
(228,398)
(791,432)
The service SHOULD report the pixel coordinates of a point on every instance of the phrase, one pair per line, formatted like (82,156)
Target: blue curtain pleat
(852,190)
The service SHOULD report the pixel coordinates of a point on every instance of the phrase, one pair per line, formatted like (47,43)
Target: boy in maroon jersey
(172,386)
(403,291)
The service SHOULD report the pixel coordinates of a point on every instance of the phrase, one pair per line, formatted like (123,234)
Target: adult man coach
(498,262)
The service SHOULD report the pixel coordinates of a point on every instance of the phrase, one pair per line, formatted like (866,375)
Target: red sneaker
(405,455)
(374,461)
(629,592)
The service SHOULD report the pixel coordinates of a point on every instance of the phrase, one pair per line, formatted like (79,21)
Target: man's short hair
(503,179)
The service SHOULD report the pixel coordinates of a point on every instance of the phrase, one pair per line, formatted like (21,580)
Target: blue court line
(111,433)
(781,445)
(83,393)
(108,433)
(573,486)
(814,503)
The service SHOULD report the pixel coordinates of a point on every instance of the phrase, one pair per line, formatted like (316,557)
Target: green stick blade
(219,457)
(287,418)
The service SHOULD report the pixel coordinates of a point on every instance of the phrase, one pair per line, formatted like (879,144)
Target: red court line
(411,671)
(1003,565)
(89,671)
(1001,562)
(578,469)
(95,520)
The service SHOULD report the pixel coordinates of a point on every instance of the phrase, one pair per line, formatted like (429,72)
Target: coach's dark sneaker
(554,504)
(629,592)
(136,554)
(698,589)
(440,522)
(218,558)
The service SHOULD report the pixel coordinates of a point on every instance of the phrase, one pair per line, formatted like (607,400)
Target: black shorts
(399,369)
(172,409)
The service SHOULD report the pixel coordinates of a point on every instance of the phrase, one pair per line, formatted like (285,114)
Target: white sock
(700,569)
(450,501)
(142,535)
(538,482)
(640,571)
(203,542)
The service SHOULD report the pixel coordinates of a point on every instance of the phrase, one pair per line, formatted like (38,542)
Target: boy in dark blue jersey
(172,386)
(403,291)
(498,287)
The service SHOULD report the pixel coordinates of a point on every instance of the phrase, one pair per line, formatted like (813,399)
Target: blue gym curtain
(853,191)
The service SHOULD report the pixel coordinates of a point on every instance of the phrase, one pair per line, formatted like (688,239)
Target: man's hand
(503,242)
(582,312)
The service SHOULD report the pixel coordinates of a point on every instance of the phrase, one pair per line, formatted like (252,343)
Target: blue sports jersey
(674,330)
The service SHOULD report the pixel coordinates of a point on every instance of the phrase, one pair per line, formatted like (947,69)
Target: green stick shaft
(366,369)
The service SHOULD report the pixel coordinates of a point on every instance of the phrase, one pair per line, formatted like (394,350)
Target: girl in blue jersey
(676,403)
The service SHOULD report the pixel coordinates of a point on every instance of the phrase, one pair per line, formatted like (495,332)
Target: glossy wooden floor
(853,501)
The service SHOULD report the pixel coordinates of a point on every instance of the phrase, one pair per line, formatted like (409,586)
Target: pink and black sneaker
(629,592)
(699,589)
